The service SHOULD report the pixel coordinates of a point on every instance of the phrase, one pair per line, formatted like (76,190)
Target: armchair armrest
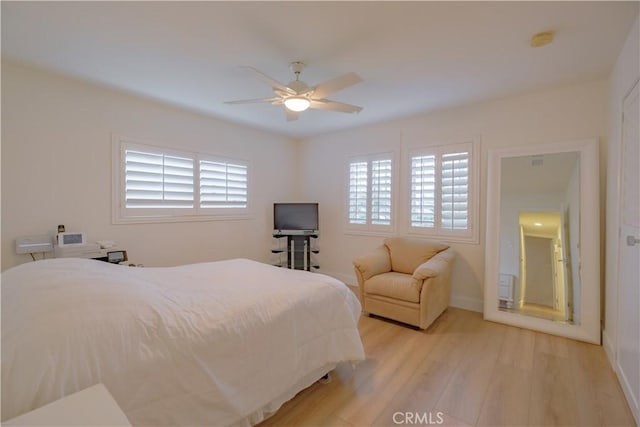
(377,262)
(434,266)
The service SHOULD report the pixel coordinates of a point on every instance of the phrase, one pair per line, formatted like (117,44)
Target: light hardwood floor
(466,372)
(535,310)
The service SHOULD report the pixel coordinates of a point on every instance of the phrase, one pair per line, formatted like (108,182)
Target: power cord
(33,257)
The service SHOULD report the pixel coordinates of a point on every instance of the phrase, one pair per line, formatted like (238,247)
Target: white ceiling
(550,222)
(414,57)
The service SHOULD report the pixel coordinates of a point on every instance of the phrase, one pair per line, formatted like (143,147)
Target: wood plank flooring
(464,371)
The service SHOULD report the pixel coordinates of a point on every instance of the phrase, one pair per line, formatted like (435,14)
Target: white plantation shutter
(370,192)
(423,191)
(455,191)
(358,176)
(441,191)
(223,184)
(156,180)
(153,184)
(381,192)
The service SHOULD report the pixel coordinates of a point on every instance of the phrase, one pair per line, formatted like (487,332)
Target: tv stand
(299,249)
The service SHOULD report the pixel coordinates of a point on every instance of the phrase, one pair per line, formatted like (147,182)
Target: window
(370,193)
(155,184)
(155,180)
(223,184)
(358,190)
(443,181)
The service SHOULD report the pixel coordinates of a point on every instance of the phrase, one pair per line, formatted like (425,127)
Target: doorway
(628,337)
(544,281)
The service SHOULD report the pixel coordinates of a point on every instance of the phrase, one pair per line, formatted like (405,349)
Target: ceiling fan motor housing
(298,85)
(297,67)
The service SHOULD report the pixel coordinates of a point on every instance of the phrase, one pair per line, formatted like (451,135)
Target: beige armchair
(406,279)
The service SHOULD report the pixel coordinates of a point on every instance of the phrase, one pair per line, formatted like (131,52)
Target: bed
(221,343)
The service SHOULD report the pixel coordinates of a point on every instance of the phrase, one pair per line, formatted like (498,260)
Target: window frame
(123,215)
(471,234)
(369,228)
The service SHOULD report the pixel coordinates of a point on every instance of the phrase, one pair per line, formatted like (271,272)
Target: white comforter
(202,344)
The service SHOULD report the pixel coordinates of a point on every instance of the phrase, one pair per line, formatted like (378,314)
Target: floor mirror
(542,268)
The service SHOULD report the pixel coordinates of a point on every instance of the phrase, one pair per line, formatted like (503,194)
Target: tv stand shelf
(299,249)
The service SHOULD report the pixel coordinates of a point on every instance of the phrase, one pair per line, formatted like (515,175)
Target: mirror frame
(589,327)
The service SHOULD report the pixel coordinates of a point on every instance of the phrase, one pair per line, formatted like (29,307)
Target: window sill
(169,219)
(473,240)
(375,233)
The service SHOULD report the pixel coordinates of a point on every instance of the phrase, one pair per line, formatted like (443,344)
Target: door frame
(631,399)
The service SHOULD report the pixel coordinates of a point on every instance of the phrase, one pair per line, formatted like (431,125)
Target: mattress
(221,343)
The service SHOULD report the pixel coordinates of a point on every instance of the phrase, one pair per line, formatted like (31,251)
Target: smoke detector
(537,160)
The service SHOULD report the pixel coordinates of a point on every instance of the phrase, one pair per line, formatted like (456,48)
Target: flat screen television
(298,217)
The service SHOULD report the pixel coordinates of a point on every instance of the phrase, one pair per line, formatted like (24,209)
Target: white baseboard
(609,349)
(467,303)
(634,405)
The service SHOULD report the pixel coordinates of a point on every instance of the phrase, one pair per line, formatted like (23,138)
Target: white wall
(570,112)
(539,280)
(64,126)
(56,169)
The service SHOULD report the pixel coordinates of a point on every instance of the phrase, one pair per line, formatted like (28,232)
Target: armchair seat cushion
(394,285)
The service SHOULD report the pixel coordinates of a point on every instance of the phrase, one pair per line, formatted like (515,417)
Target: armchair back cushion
(407,254)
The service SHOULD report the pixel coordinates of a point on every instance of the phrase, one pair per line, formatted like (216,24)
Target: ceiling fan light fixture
(297,103)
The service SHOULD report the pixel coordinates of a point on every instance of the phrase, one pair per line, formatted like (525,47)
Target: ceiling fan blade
(271,81)
(325,104)
(252,101)
(292,115)
(330,86)
(282,93)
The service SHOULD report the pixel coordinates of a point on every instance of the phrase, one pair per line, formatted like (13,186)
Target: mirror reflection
(539,236)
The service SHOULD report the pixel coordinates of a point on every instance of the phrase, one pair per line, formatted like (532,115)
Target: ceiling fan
(297,96)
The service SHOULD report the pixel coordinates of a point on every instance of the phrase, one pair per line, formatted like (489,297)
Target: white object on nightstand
(106,244)
(33,244)
(93,406)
